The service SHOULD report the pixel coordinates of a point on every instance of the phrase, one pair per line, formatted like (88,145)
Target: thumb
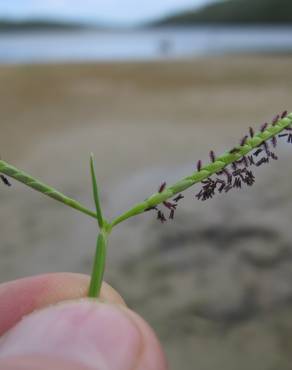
(82,335)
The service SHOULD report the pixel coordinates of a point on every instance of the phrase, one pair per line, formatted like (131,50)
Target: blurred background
(150,88)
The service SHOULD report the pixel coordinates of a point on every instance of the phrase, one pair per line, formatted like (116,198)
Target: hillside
(7,25)
(236,12)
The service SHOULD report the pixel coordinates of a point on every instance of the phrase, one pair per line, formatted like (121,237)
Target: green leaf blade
(96,193)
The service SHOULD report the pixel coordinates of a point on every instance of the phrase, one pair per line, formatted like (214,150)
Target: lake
(140,45)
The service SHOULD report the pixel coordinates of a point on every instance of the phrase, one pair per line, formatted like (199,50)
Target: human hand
(45,324)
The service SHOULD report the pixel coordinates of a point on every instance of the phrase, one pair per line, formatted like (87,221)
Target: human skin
(46,322)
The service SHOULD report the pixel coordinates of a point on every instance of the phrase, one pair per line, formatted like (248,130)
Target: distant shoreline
(141,45)
(56,27)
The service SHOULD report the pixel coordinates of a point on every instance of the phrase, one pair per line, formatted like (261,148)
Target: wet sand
(217,283)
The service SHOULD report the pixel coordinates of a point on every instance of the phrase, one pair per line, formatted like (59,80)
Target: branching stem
(203,172)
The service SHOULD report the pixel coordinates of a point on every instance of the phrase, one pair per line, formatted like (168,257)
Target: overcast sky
(122,11)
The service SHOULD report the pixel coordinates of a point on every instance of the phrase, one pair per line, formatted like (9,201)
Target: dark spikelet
(199,165)
(262,161)
(161,217)
(162,187)
(284,114)
(170,205)
(243,140)
(171,215)
(257,152)
(249,178)
(199,194)
(208,190)
(222,185)
(212,156)
(263,127)
(275,119)
(251,132)
(243,161)
(237,183)
(282,135)
(237,172)
(5,180)
(228,175)
(178,198)
(289,140)
(273,156)
(227,188)
(274,141)
(151,209)
(234,166)
(288,128)
(234,150)
(266,148)
(251,160)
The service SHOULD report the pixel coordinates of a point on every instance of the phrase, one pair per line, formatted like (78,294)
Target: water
(127,45)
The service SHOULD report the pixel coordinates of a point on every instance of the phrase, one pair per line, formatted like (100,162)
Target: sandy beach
(216,284)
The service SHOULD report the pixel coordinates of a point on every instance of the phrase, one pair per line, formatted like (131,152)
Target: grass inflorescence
(234,168)
(231,170)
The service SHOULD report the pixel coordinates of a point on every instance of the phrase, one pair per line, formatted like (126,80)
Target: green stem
(35,184)
(98,265)
(101,244)
(206,171)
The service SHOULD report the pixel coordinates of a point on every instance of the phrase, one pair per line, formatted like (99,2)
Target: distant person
(165,47)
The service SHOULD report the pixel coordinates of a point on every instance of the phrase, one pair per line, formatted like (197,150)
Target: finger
(87,333)
(39,362)
(20,297)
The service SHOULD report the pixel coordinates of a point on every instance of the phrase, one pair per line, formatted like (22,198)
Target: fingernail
(97,335)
